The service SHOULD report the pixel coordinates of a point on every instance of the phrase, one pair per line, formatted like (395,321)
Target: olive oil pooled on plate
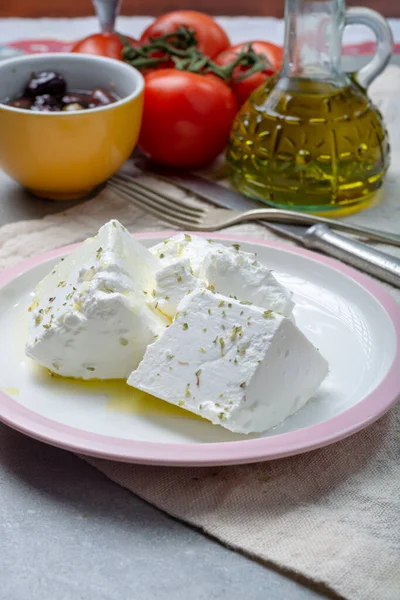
(120,397)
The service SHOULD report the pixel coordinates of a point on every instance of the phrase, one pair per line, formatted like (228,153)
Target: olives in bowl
(47,91)
(67,154)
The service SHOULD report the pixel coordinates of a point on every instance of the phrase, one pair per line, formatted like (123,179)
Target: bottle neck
(313,38)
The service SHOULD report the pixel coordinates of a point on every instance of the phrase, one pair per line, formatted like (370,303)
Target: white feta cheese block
(173,282)
(90,317)
(239,274)
(234,364)
(227,269)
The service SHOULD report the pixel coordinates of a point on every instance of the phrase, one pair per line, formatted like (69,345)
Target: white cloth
(331,516)
(240,29)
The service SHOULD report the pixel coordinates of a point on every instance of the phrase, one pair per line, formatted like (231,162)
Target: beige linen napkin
(331,517)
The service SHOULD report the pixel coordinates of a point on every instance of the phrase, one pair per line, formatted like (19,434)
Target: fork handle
(376,263)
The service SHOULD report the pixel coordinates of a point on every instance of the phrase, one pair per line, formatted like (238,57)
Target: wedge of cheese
(91,316)
(225,269)
(235,364)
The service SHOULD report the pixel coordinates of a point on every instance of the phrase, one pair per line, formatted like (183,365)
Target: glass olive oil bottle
(310,138)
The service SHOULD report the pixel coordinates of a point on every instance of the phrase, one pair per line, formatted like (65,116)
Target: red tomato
(273,53)
(103,44)
(211,38)
(242,88)
(187,118)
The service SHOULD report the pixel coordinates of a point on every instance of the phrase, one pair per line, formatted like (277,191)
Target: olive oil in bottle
(310,138)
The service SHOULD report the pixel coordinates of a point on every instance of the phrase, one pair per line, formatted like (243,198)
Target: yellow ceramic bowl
(65,155)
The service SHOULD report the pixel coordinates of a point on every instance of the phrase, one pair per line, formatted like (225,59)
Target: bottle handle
(384,38)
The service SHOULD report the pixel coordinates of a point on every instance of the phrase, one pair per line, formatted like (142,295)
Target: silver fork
(181,215)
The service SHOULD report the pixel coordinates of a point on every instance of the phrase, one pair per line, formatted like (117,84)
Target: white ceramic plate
(353,321)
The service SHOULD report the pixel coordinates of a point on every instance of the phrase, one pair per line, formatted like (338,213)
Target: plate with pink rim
(352,320)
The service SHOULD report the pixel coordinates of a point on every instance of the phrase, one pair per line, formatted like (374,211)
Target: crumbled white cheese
(91,315)
(235,364)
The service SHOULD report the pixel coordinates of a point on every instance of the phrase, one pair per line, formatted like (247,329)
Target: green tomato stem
(181,47)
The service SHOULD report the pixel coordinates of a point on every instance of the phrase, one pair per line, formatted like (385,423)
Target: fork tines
(157,203)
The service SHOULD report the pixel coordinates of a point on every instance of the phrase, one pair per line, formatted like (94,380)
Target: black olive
(101,97)
(47,91)
(43,83)
(46,103)
(22,102)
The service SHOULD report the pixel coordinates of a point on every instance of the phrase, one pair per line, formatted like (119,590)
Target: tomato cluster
(195,83)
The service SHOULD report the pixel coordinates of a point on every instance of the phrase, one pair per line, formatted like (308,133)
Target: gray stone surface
(68,533)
